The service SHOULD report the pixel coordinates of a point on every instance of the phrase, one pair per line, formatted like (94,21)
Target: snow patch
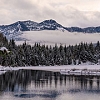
(4,49)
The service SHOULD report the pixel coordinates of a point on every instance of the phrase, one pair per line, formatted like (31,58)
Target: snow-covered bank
(53,68)
(5,69)
(58,68)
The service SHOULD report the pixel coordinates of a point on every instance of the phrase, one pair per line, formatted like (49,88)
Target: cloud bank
(57,37)
(82,13)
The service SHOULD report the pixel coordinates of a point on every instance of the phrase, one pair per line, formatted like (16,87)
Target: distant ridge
(20,26)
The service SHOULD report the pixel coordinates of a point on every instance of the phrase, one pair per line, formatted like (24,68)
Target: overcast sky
(81,13)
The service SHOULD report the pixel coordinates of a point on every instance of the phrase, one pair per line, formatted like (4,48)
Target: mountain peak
(50,21)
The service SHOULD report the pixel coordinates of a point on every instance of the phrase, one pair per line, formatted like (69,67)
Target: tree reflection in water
(30,84)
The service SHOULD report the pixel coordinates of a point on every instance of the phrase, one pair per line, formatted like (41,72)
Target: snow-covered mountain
(21,26)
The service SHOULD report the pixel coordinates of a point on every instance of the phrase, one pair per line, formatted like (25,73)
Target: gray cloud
(66,12)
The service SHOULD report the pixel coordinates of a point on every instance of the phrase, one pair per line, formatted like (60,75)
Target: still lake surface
(43,85)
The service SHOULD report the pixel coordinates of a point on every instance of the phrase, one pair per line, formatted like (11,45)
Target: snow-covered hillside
(51,37)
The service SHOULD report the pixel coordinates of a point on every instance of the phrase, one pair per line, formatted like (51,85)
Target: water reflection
(47,85)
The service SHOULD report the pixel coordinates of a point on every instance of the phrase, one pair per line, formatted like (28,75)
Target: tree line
(27,55)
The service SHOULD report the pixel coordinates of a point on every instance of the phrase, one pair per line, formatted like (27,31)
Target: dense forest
(27,55)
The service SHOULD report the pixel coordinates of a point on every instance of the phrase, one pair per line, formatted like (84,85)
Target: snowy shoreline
(64,69)
(53,68)
(58,68)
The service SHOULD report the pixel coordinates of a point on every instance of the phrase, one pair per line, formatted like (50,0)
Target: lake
(45,85)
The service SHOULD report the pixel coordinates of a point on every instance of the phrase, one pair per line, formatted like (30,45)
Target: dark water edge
(45,85)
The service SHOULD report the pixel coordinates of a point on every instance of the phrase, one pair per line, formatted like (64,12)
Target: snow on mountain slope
(19,27)
(51,37)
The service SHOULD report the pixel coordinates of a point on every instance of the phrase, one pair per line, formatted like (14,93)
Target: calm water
(41,85)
